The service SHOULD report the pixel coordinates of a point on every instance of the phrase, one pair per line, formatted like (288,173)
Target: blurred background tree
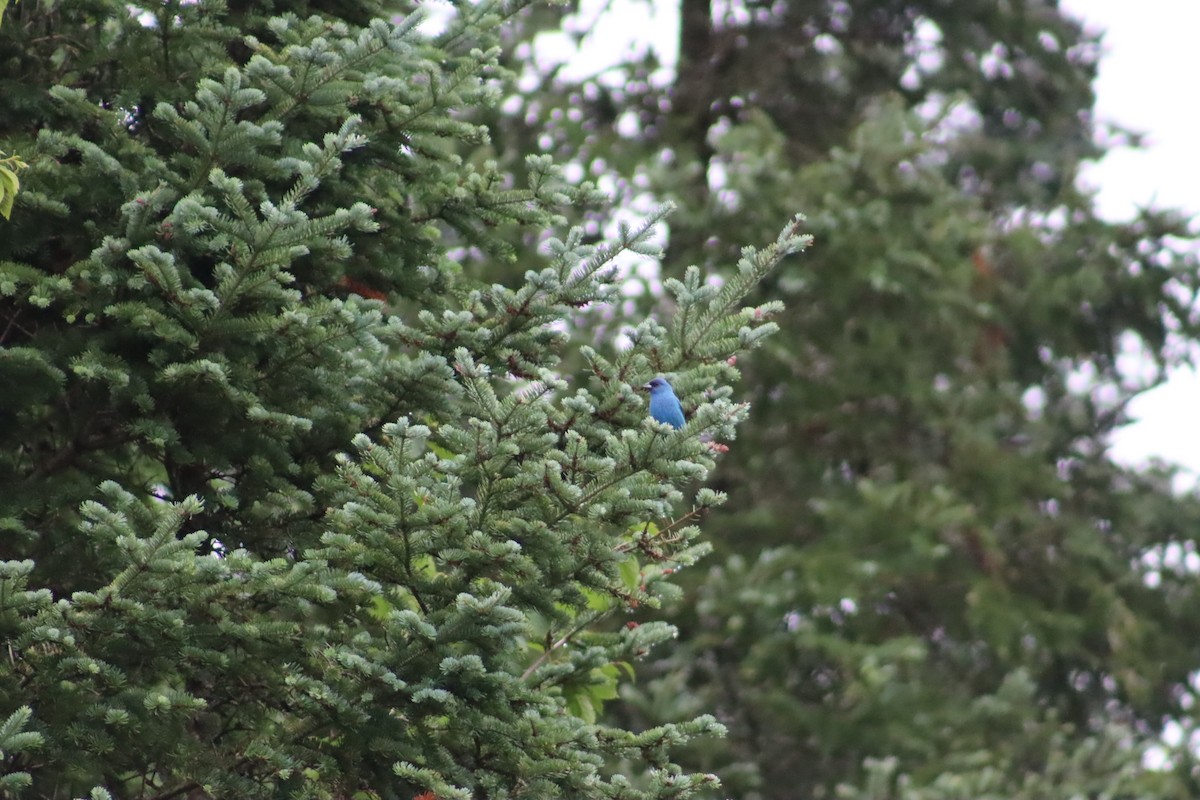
(931,580)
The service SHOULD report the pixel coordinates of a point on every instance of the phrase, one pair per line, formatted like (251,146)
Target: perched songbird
(664,405)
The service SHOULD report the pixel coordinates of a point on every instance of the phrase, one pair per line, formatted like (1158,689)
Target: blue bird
(664,405)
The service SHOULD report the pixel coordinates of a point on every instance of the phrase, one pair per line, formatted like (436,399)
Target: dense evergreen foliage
(293,505)
(322,472)
(931,580)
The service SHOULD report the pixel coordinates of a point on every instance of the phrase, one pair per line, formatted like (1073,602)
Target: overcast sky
(1147,82)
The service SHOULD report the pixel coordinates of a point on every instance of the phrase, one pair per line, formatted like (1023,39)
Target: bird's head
(656,386)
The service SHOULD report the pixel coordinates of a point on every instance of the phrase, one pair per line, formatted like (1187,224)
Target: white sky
(1146,83)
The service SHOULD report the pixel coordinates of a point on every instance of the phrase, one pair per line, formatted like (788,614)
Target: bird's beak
(645,387)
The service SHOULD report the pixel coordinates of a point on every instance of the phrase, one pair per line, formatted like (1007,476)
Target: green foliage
(944,513)
(297,505)
(923,512)
(1029,755)
(10,184)
(14,741)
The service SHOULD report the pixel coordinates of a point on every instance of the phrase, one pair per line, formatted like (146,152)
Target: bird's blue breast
(664,407)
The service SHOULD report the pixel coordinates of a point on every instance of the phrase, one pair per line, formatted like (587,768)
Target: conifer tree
(293,505)
(931,580)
